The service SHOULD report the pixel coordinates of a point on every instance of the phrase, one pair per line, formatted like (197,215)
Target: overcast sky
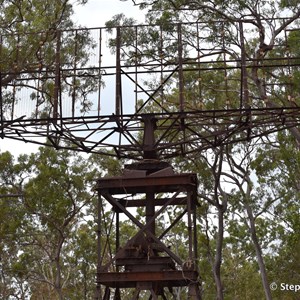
(96,12)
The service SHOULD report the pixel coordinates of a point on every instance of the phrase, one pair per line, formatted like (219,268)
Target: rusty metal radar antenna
(146,94)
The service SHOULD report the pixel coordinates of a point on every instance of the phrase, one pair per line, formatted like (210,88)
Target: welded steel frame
(153,273)
(119,131)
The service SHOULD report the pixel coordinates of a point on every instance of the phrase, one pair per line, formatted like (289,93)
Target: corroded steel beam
(164,278)
(122,185)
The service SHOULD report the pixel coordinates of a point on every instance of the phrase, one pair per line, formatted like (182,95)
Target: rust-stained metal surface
(121,185)
(146,261)
(162,279)
(100,101)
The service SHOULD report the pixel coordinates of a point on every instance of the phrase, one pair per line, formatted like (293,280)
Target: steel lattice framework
(100,99)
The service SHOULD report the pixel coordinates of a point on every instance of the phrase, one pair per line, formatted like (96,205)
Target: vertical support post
(15,71)
(190,233)
(244,98)
(117,291)
(100,72)
(161,55)
(13,101)
(195,231)
(1,99)
(201,106)
(180,69)
(117,231)
(99,248)
(57,77)
(136,69)
(227,101)
(290,85)
(118,104)
(149,139)
(181,83)
(150,210)
(74,76)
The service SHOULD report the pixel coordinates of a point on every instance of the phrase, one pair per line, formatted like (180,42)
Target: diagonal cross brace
(142,227)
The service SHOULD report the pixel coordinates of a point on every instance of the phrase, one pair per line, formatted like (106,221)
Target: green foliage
(33,41)
(48,233)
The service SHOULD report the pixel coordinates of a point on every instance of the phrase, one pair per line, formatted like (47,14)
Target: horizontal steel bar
(164,278)
(123,185)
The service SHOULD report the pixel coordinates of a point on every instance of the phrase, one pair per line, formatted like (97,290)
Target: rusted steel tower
(145,262)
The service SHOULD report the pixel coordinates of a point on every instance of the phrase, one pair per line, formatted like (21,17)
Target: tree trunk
(258,251)
(244,174)
(218,255)
(58,280)
(58,284)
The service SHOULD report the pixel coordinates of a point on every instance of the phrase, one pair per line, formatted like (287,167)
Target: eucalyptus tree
(38,43)
(55,198)
(252,33)
(21,40)
(48,226)
(12,223)
(277,169)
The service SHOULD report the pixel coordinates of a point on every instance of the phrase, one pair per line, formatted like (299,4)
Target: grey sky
(96,12)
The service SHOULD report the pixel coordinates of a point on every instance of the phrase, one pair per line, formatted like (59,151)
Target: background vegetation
(248,220)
